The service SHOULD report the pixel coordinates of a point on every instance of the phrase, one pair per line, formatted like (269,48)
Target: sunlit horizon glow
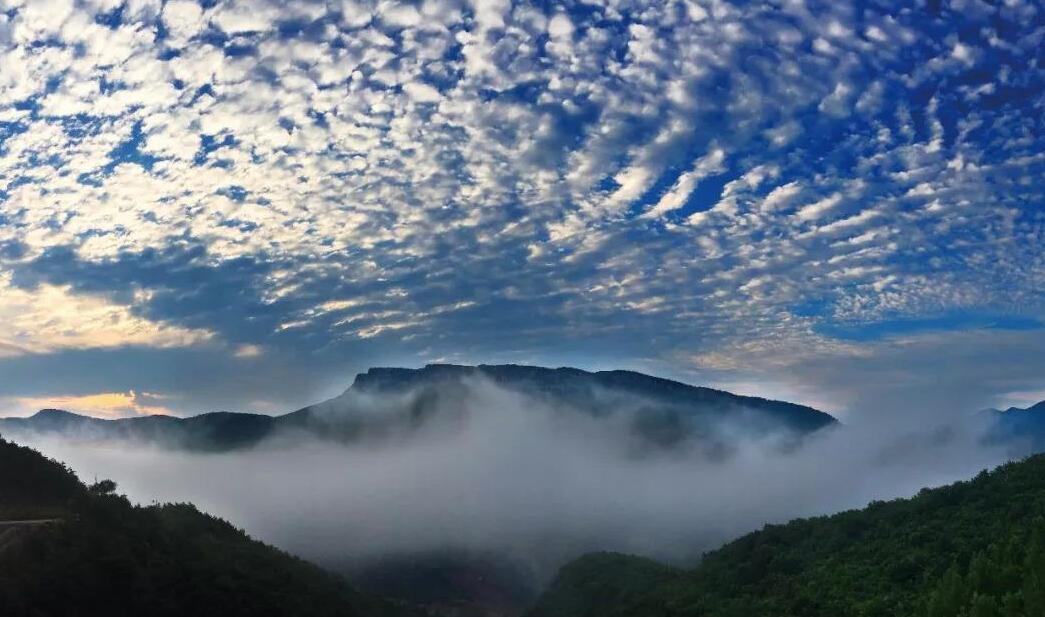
(239,204)
(106,405)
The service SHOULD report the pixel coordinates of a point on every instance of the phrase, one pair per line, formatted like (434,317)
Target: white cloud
(676,197)
(41,18)
(244,16)
(781,196)
(398,15)
(50,318)
(183,19)
(422,93)
(249,351)
(816,210)
(490,13)
(353,154)
(560,26)
(838,102)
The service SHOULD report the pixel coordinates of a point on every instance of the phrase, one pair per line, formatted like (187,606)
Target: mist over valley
(510,472)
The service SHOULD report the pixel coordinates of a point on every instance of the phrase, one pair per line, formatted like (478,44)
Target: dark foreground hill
(386,401)
(93,553)
(971,549)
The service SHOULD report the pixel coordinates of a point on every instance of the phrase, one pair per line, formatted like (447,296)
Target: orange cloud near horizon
(102,404)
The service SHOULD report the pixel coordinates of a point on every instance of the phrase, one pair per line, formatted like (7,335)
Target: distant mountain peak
(662,412)
(1038,407)
(56,413)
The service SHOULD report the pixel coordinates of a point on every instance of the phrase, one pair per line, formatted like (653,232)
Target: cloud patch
(497,178)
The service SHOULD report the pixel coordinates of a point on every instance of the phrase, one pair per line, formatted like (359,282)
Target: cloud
(814,210)
(53,317)
(101,405)
(648,182)
(910,379)
(183,19)
(676,197)
(249,351)
(422,93)
(560,26)
(470,484)
(41,19)
(781,196)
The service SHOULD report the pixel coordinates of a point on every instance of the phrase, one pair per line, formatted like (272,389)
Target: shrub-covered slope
(106,556)
(974,548)
(32,486)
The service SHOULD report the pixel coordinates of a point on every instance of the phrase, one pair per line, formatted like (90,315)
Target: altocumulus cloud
(716,182)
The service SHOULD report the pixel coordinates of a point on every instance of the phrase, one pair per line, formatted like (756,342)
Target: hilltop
(97,554)
(973,548)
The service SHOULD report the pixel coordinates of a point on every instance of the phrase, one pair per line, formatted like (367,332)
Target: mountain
(661,411)
(1022,429)
(1036,409)
(973,549)
(385,401)
(210,431)
(87,551)
(598,393)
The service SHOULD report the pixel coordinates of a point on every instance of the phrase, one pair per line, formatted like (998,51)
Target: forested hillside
(974,549)
(32,486)
(105,556)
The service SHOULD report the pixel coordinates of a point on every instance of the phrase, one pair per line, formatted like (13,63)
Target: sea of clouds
(508,475)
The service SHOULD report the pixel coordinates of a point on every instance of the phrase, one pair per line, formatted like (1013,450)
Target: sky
(238,205)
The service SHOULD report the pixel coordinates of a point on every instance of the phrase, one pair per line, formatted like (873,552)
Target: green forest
(105,556)
(971,549)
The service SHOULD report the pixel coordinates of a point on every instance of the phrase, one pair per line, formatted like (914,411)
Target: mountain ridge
(664,409)
(1023,429)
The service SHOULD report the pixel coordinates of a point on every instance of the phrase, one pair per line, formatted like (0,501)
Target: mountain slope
(105,556)
(32,486)
(1024,429)
(208,432)
(591,391)
(974,548)
(661,411)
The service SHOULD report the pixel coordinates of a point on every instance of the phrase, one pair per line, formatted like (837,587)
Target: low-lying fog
(522,481)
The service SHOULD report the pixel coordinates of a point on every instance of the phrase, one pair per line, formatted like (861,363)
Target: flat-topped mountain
(660,411)
(592,391)
(385,401)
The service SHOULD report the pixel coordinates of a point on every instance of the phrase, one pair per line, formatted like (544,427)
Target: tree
(1034,572)
(950,596)
(984,606)
(103,487)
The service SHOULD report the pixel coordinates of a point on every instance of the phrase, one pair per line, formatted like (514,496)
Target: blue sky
(226,204)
